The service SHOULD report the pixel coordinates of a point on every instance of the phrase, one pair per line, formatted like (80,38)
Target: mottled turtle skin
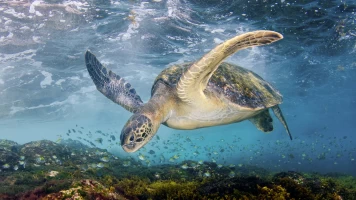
(239,85)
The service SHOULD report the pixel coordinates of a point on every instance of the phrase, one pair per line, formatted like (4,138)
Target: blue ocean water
(45,89)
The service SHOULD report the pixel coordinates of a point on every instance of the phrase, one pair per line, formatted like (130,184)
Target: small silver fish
(207,174)
(126,163)
(232,174)
(100,165)
(105,159)
(6,166)
(184,166)
(141,157)
(40,159)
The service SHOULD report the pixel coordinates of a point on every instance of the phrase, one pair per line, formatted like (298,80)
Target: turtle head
(143,125)
(138,130)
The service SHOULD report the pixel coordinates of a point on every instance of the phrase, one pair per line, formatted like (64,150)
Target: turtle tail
(278,112)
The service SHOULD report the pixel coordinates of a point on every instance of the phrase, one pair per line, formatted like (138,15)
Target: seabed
(71,170)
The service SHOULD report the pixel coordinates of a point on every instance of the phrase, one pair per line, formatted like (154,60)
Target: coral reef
(71,170)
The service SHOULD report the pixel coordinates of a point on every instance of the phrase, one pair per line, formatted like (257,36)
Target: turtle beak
(129,147)
(127,140)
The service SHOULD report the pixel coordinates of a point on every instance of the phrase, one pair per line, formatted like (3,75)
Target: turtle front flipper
(278,112)
(111,85)
(263,121)
(193,81)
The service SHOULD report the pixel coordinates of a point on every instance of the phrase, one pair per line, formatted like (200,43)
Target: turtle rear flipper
(263,121)
(278,112)
(193,82)
(111,85)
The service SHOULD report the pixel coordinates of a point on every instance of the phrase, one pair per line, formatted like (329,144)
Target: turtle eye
(132,138)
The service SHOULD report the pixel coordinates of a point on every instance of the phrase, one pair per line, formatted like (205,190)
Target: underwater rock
(245,185)
(7,143)
(73,144)
(48,153)
(310,186)
(295,176)
(43,152)
(86,189)
(8,154)
(277,192)
(40,192)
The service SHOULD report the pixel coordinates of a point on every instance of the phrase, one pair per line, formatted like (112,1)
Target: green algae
(173,190)
(161,189)
(277,192)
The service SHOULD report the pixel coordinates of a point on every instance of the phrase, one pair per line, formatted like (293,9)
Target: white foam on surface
(36,39)
(27,54)
(219,30)
(218,41)
(33,6)
(75,78)
(12,12)
(71,100)
(47,80)
(77,4)
(38,13)
(8,22)
(25,28)
(60,81)
(85,90)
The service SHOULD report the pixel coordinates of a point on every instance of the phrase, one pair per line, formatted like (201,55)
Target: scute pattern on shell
(239,85)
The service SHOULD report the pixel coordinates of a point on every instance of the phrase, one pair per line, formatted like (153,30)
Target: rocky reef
(70,170)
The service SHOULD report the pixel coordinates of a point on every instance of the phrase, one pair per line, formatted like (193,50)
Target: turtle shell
(238,85)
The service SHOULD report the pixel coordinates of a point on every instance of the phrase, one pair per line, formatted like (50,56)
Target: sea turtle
(205,93)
